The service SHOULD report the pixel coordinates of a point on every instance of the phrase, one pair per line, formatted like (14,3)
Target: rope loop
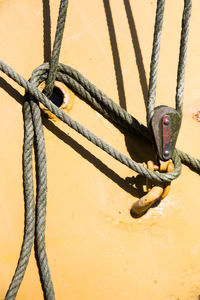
(86,90)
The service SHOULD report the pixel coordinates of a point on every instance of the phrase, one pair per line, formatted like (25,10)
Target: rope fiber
(35,215)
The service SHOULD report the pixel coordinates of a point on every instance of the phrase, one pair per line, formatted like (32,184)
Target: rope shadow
(46,30)
(133,185)
(137,49)
(115,53)
(126,184)
(137,148)
(11,91)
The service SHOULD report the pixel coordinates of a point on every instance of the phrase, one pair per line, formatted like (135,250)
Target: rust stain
(196,116)
(67,104)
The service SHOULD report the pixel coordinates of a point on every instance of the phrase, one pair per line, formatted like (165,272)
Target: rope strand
(155,57)
(56,48)
(183,55)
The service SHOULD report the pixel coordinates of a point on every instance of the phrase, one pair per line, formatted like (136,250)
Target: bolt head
(166,121)
(166,153)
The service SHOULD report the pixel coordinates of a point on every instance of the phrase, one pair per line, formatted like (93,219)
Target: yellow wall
(96,250)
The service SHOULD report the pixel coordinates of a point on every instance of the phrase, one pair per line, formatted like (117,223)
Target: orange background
(96,250)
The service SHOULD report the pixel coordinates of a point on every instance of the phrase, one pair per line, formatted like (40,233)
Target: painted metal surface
(96,250)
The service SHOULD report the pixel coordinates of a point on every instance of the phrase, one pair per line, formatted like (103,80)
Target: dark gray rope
(41,180)
(56,48)
(155,57)
(33,132)
(155,176)
(29,204)
(41,176)
(40,249)
(183,55)
(92,96)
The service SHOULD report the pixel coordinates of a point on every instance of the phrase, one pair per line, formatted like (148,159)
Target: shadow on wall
(46,30)
(137,49)
(126,184)
(138,149)
(115,52)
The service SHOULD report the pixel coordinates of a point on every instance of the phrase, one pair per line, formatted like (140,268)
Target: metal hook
(155,193)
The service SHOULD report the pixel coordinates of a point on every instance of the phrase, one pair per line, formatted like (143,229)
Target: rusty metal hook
(155,193)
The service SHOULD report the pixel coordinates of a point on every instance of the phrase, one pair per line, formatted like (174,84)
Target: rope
(155,176)
(183,55)
(56,48)
(31,110)
(35,222)
(29,206)
(155,57)
(41,178)
(40,249)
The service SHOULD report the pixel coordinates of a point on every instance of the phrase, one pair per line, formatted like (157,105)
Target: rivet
(166,121)
(166,153)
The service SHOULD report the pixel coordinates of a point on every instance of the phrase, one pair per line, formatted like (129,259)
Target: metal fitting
(61,97)
(155,193)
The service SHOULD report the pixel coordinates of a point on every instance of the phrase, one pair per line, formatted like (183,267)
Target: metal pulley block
(165,125)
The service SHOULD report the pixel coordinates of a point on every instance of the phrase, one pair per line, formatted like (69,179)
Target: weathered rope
(29,109)
(33,135)
(40,249)
(183,55)
(29,227)
(155,57)
(56,48)
(156,176)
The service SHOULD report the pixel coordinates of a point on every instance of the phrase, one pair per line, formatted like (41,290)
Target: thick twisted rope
(40,248)
(29,205)
(56,48)
(155,57)
(33,134)
(41,179)
(155,176)
(31,109)
(183,55)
